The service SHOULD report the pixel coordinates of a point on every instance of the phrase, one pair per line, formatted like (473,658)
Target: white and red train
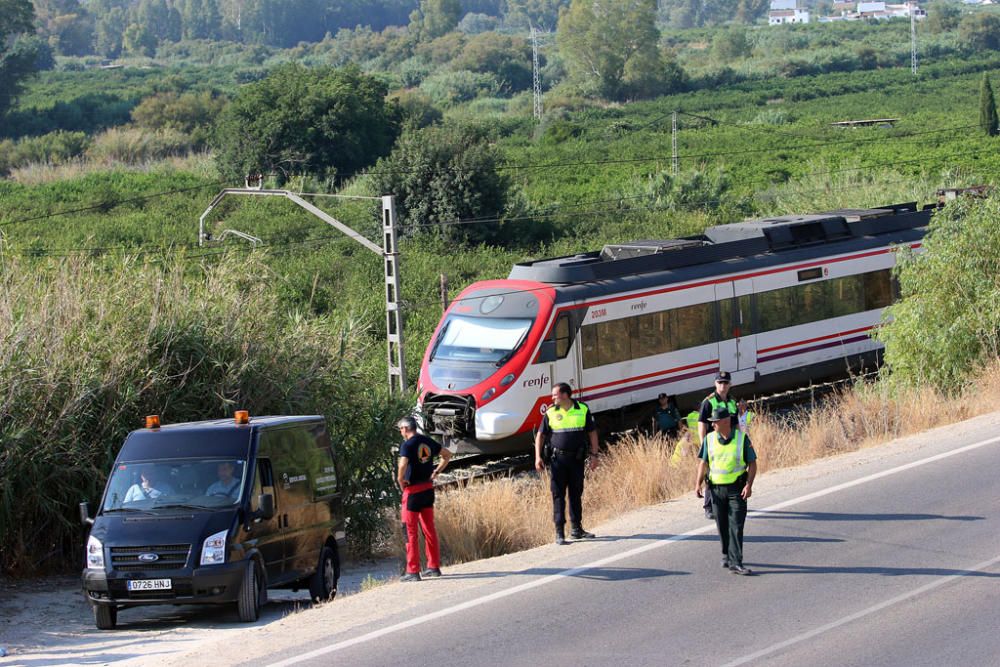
(777,302)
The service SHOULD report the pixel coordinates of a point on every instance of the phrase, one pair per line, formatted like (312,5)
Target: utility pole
(388,251)
(913,36)
(444,292)
(536,77)
(673,142)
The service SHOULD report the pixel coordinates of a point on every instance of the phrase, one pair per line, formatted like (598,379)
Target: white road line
(937,583)
(448,611)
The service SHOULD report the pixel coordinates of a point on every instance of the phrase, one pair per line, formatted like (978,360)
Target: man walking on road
(568,429)
(731,463)
(416,475)
(720,397)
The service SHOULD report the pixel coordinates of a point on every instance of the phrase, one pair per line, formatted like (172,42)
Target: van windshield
(175,483)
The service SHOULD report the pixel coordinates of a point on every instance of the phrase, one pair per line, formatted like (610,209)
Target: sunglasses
(722,382)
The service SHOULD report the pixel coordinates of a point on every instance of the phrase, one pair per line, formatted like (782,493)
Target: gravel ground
(49,622)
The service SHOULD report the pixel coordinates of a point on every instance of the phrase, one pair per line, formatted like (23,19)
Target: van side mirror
(85,515)
(265,502)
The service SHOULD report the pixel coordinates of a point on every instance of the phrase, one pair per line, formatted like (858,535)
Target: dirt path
(48,622)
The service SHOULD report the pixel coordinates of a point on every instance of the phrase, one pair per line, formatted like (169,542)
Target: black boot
(560,536)
(579,533)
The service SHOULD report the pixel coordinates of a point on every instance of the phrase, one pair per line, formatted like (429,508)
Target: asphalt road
(889,559)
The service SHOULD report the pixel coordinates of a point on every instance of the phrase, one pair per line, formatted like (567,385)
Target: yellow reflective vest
(725,460)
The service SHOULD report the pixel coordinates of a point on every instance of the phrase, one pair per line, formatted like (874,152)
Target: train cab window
(557,344)
(563,336)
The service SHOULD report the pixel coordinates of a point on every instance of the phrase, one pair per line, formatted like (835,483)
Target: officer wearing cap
(731,463)
(719,397)
(568,429)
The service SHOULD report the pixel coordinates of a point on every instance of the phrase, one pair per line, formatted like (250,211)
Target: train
(778,302)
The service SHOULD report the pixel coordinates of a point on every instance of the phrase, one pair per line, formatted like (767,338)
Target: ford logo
(149,558)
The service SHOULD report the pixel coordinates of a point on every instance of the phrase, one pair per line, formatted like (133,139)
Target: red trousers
(425,519)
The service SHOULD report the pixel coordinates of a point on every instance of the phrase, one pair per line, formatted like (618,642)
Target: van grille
(169,557)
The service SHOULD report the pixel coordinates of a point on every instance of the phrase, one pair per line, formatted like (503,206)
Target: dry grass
(486,519)
(41,173)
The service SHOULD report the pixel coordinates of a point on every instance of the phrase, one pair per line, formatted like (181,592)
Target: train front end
(472,393)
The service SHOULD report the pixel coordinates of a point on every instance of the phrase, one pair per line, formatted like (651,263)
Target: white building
(843,11)
(786,11)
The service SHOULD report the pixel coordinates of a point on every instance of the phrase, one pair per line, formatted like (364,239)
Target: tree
(436,18)
(987,108)
(444,173)
(947,325)
(507,58)
(19,50)
(610,48)
(731,44)
(66,25)
(979,32)
(320,121)
(543,14)
(943,17)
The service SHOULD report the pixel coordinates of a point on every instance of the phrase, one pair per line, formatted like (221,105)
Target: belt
(567,453)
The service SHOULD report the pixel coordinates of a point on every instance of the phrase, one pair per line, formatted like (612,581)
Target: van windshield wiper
(183,506)
(126,509)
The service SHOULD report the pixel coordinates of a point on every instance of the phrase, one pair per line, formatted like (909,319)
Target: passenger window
(878,289)
(695,325)
(615,341)
(652,335)
(263,483)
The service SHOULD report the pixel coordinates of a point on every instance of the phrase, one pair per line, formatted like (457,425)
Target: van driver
(227,485)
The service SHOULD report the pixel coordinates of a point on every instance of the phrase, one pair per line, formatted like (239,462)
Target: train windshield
(480,339)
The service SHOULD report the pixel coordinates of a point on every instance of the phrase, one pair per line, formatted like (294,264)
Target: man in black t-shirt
(415,474)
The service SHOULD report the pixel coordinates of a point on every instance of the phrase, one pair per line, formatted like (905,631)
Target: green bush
(53,148)
(947,325)
(449,88)
(89,348)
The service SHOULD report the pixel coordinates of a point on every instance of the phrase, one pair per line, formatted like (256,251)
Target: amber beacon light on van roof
(153,421)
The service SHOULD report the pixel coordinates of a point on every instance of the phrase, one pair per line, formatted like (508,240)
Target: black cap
(661,396)
(723,376)
(719,414)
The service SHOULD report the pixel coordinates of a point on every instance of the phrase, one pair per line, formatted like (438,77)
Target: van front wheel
(323,583)
(248,603)
(105,616)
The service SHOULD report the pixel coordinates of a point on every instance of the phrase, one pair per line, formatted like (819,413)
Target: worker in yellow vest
(731,464)
(719,397)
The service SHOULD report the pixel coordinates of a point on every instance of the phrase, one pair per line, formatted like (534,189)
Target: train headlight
(507,379)
(488,394)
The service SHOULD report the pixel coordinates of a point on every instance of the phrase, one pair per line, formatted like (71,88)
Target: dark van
(216,512)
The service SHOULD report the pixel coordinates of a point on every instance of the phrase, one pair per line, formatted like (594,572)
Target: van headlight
(95,554)
(213,551)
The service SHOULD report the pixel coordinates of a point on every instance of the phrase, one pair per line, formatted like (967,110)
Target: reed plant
(88,348)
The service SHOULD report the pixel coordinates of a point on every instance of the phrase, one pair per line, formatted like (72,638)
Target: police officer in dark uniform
(568,431)
(719,397)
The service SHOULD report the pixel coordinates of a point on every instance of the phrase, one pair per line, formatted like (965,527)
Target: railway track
(478,467)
